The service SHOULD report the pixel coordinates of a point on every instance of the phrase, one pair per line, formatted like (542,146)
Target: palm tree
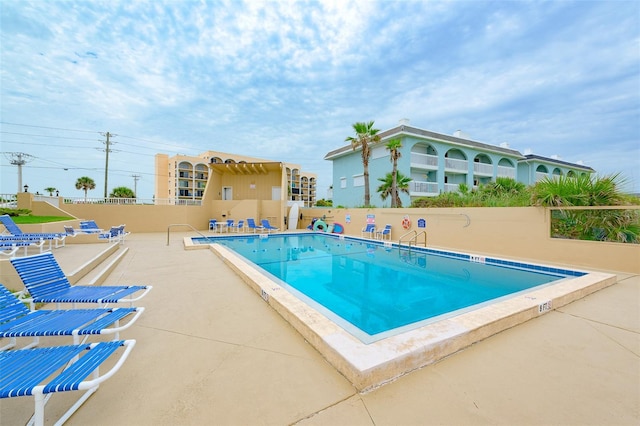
(50,190)
(394,146)
(85,183)
(402,185)
(122,192)
(365,135)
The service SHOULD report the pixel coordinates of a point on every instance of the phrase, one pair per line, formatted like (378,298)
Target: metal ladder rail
(414,232)
(183,224)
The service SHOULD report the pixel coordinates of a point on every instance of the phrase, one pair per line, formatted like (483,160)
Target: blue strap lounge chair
(90,227)
(46,283)
(239,226)
(16,320)
(17,233)
(213,224)
(251,224)
(41,372)
(369,230)
(266,225)
(385,233)
(10,246)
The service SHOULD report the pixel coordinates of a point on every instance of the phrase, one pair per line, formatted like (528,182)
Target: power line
(45,127)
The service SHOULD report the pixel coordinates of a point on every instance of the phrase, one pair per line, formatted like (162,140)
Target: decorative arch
(505,162)
(542,169)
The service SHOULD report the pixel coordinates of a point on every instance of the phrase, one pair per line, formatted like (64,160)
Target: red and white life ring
(406,222)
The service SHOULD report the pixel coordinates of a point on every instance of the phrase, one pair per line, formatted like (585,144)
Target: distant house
(437,163)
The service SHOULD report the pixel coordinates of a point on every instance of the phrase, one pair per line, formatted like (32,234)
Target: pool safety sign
(371,218)
(422,223)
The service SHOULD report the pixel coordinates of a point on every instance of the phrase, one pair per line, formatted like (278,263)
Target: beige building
(182,179)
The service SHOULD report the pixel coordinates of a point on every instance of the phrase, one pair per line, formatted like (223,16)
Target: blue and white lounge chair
(17,233)
(41,372)
(369,230)
(9,246)
(385,233)
(90,227)
(46,283)
(213,224)
(116,233)
(16,320)
(266,225)
(251,224)
(239,226)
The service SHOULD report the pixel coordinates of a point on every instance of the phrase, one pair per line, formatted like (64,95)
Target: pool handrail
(183,224)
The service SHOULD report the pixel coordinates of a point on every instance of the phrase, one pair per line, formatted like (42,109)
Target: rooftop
(210,351)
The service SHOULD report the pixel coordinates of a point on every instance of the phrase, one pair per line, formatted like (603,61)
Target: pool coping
(368,366)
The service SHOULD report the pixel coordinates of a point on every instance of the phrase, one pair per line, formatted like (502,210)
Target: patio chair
(10,245)
(90,227)
(385,233)
(116,233)
(266,225)
(17,233)
(41,372)
(251,224)
(239,226)
(212,224)
(369,230)
(16,320)
(46,283)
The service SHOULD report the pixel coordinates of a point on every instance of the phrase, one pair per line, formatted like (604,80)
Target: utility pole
(18,159)
(107,150)
(135,185)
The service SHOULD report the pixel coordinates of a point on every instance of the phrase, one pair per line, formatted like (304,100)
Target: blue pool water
(378,288)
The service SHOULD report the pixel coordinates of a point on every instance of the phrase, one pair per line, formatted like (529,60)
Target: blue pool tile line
(463,256)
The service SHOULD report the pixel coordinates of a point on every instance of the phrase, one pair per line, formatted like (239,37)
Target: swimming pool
(391,354)
(373,290)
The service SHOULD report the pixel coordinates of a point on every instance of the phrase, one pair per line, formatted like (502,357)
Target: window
(343,182)
(358,180)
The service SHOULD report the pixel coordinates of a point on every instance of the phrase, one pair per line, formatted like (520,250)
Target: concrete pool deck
(210,351)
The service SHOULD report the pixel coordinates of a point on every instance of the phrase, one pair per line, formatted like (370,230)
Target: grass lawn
(21,220)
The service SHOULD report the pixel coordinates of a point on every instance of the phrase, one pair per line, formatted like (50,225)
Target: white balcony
(540,176)
(423,189)
(483,169)
(453,164)
(424,161)
(509,172)
(450,187)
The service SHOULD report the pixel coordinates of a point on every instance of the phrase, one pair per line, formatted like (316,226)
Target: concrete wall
(518,232)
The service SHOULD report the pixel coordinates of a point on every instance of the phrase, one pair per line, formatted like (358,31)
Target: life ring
(319,225)
(338,228)
(406,222)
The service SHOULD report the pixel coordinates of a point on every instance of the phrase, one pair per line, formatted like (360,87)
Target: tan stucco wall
(520,233)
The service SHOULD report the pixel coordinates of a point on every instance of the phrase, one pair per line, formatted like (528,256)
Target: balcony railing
(540,176)
(418,188)
(483,169)
(509,172)
(450,187)
(456,164)
(424,160)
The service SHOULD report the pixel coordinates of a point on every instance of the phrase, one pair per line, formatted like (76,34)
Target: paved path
(211,352)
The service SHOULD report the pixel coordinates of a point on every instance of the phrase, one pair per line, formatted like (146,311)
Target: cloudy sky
(286,80)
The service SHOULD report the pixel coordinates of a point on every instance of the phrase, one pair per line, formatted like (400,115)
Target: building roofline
(414,131)
(529,157)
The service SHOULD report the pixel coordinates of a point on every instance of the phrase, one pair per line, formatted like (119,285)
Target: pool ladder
(413,240)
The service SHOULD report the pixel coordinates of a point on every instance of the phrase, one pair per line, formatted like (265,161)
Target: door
(227,193)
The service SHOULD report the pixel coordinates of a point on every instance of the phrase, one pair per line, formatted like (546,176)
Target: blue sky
(286,80)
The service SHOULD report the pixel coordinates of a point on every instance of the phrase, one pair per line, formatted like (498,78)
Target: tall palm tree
(402,185)
(85,183)
(365,135)
(394,146)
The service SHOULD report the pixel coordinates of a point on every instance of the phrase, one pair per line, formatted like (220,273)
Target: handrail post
(183,224)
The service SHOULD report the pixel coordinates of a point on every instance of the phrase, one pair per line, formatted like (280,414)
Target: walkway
(210,351)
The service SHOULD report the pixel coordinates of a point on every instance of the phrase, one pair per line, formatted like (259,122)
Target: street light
(26,188)
(57,193)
